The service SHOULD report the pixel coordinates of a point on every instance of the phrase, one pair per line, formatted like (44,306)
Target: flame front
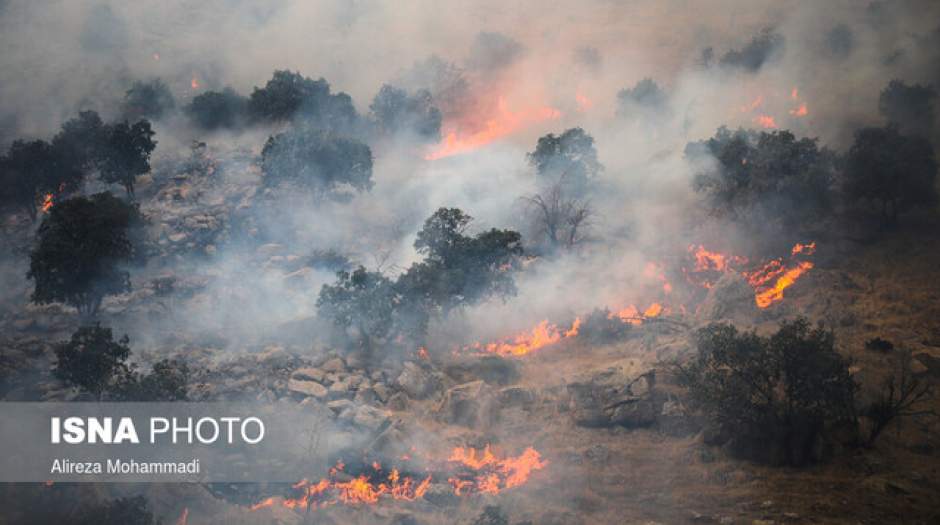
(504,122)
(540,336)
(47,202)
(485,473)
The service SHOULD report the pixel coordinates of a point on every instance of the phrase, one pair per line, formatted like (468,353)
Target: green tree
(290,95)
(81,249)
(394,110)
(361,305)
(126,153)
(149,99)
(31,170)
(168,381)
(214,110)
(569,159)
(774,395)
(892,171)
(317,160)
(92,360)
(82,140)
(909,108)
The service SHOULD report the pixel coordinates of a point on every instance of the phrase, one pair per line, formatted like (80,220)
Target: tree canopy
(909,108)
(81,249)
(569,159)
(894,171)
(127,153)
(289,95)
(214,110)
(91,359)
(317,160)
(395,111)
(150,99)
(36,168)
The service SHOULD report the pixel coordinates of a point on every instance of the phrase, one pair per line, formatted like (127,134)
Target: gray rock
(471,405)
(339,405)
(334,365)
(729,298)
(355,380)
(516,396)
(399,401)
(365,396)
(339,388)
(309,373)
(610,397)
(381,391)
(417,381)
(369,418)
(307,388)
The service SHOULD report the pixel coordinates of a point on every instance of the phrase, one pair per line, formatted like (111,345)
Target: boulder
(516,396)
(495,370)
(731,297)
(381,391)
(369,418)
(334,365)
(398,401)
(309,373)
(612,398)
(307,388)
(471,405)
(417,381)
(365,396)
(339,405)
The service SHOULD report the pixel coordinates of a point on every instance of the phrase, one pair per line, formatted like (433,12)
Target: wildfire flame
(540,336)
(184,517)
(503,123)
(46,203)
(765,121)
(472,472)
(194,83)
(584,103)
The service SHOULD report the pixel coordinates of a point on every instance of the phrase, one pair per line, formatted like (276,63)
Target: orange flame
(184,517)
(801,111)
(541,335)
(503,123)
(765,121)
(584,103)
(490,474)
(46,203)
(775,292)
(194,83)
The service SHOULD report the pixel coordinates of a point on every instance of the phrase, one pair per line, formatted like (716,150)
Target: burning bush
(33,171)
(771,397)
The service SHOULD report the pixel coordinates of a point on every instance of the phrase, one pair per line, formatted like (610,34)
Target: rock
(274,356)
(516,396)
(334,365)
(730,296)
(470,404)
(311,374)
(365,396)
(339,389)
(416,381)
(318,408)
(495,370)
(339,405)
(398,401)
(610,397)
(355,380)
(381,391)
(369,418)
(307,388)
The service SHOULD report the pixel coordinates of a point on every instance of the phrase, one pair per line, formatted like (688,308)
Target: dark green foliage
(92,360)
(893,171)
(167,381)
(82,140)
(363,302)
(148,99)
(762,48)
(330,260)
(214,110)
(774,395)
(569,159)
(33,169)
(765,175)
(646,94)
(127,153)
(122,511)
(290,95)
(909,108)
(602,327)
(317,160)
(459,269)
(80,250)
(395,111)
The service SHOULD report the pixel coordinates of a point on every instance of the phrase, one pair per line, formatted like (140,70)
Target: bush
(151,99)
(317,160)
(902,394)
(774,396)
(218,109)
(92,360)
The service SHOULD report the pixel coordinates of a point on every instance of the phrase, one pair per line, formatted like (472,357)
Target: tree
(762,48)
(569,159)
(645,95)
(764,175)
(317,160)
(363,302)
(168,381)
(459,269)
(126,153)
(82,141)
(894,171)
(214,110)
(289,95)
(150,99)
(561,221)
(774,395)
(31,170)
(91,359)
(394,111)
(80,250)
(909,108)
(902,394)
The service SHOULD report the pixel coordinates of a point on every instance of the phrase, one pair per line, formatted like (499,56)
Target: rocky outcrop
(612,398)
(472,405)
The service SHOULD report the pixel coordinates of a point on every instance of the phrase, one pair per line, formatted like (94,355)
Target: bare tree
(564,222)
(902,395)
